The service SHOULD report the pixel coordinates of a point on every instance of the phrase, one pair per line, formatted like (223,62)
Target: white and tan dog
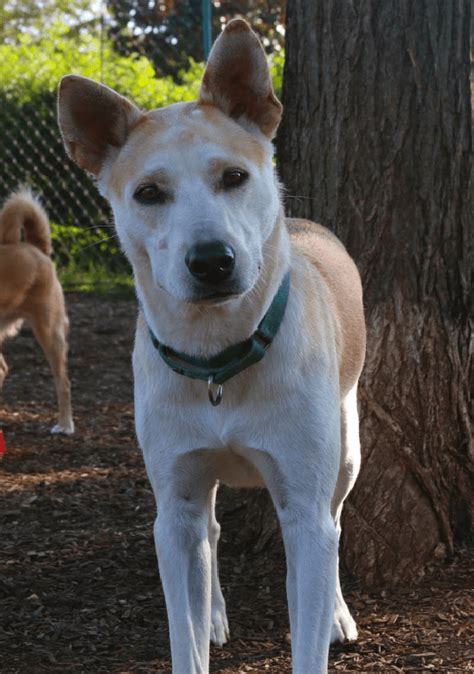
(198,211)
(30,290)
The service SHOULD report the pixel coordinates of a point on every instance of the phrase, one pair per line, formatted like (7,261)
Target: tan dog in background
(30,290)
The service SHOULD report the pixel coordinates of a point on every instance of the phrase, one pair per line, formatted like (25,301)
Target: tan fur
(23,214)
(30,290)
(327,254)
(173,124)
(98,132)
(241,86)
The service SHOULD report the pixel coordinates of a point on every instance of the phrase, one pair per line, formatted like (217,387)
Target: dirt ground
(79,588)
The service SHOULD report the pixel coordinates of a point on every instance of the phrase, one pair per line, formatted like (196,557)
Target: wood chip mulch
(79,589)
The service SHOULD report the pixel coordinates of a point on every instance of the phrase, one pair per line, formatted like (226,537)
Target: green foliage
(277,62)
(95,278)
(35,16)
(89,258)
(33,67)
(72,243)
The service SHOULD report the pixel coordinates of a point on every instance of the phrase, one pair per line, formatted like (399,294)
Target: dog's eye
(234,178)
(150,194)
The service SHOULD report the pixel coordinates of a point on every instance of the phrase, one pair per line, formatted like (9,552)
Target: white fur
(188,446)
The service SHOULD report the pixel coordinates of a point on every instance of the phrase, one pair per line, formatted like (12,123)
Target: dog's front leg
(184,486)
(184,560)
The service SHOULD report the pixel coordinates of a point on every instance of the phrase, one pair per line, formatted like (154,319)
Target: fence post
(206,27)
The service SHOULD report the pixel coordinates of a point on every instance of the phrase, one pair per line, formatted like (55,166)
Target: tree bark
(375,143)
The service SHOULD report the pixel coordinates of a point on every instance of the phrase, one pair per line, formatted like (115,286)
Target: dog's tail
(23,213)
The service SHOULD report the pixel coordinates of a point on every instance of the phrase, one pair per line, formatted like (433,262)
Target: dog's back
(326,253)
(22,213)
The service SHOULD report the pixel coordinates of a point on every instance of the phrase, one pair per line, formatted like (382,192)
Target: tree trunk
(376,144)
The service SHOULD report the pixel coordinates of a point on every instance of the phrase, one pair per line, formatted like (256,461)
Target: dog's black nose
(210,261)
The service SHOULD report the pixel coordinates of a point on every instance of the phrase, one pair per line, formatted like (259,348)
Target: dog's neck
(205,330)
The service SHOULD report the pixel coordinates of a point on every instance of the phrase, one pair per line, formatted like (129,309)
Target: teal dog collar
(220,368)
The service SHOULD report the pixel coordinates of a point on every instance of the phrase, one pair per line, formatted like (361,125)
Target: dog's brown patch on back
(339,273)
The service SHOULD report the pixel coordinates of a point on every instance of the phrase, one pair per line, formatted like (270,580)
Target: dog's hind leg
(51,337)
(344,627)
(3,369)
(8,329)
(219,624)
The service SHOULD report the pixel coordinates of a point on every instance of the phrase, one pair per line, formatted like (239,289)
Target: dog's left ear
(237,79)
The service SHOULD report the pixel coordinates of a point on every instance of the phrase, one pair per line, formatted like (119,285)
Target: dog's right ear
(237,79)
(94,120)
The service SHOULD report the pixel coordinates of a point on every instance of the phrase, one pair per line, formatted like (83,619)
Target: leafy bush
(72,243)
(34,67)
(89,258)
(277,62)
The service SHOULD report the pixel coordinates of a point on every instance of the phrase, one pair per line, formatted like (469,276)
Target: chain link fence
(149,51)
(86,250)
(31,153)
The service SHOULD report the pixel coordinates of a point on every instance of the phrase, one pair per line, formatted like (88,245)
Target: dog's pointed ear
(93,119)
(237,79)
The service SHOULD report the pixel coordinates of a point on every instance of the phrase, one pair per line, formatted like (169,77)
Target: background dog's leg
(219,624)
(3,369)
(52,340)
(344,627)
(7,330)
(184,560)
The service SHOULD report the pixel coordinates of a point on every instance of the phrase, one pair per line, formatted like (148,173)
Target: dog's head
(192,186)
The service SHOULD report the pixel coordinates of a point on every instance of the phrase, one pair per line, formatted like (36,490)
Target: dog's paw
(219,626)
(65,429)
(344,627)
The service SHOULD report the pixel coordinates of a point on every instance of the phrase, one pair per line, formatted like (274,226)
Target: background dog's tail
(23,213)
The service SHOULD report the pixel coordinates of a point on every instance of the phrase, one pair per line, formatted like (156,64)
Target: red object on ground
(3,446)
